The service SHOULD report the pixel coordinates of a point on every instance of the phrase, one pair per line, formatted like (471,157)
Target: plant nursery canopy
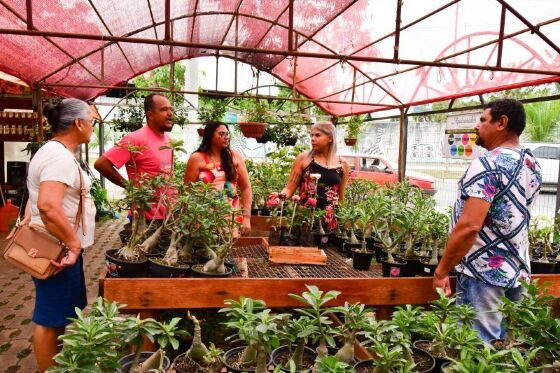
(348,56)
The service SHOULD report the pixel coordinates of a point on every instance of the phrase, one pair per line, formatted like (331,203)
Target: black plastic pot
(426,269)
(234,351)
(289,239)
(274,237)
(164,271)
(361,261)
(542,268)
(393,269)
(126,361)
(290,141)
(117,267)
(307,352)
(306,239)
(260,212)
(379,253)
(321,240)
(196,271)
(409,270)
(125,235)
(444,366)
(349,246)
(333,240)
(155,254)
(438,360)
(340,244)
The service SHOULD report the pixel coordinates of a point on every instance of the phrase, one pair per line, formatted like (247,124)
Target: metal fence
(425,155)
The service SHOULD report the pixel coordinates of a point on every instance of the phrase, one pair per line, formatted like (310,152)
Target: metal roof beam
(534,29)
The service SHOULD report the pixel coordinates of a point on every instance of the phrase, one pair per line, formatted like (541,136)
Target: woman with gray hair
(54,183)
(320,174)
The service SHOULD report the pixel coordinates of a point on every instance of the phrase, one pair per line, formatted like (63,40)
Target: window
(547,152)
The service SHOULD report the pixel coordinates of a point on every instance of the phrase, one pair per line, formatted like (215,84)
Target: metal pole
(275,52)
(101,148)
(557,212)
(38,107)
(403,144)
(29,8)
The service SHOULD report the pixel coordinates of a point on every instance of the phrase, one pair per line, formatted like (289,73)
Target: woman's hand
(246,226)
(68,260)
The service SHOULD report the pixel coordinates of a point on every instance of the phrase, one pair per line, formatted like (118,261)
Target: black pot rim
(397,261)
(229,271)
(279,350)
(358,251)
(111,255)
(236,350)
(184,266)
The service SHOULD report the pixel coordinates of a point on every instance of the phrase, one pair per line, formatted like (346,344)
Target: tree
(542,119)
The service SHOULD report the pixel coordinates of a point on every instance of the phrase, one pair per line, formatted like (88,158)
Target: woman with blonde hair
(319,173)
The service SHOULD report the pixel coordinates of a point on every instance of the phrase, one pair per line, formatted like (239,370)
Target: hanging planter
(353,129)
(252,129)
(256,118)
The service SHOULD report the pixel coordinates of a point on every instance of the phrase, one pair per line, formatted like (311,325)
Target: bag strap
(80,213)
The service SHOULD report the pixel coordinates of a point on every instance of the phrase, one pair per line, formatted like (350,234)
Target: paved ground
(17,297)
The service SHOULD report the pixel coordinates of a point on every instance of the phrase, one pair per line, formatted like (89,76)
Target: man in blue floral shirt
(488,244)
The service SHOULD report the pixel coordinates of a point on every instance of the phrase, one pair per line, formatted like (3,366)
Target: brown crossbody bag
(31,248)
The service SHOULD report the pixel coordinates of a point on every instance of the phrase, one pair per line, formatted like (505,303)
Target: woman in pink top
(215,163)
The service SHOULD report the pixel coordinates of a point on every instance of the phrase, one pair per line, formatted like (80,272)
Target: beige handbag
(31,248)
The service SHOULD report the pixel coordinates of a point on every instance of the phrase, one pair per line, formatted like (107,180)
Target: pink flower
(489,190)
(296,198)
(272,201)
(311,202)
(495,261)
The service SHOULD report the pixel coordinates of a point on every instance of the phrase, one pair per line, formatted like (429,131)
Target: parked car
(378,170)
(548,156)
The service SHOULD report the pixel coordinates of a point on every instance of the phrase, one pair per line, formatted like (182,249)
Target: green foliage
(211,109)
(542,120)
(95,342)
(331,364)
(353,127)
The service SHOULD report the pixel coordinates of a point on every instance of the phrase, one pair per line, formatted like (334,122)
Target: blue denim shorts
(485,299)
(58,296)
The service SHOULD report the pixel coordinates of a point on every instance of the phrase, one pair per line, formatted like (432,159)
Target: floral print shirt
(510,180)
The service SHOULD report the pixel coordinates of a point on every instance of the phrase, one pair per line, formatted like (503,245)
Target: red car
(378,170)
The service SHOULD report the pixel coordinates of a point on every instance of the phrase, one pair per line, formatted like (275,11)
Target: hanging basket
(252,129)
(200,131)
(350,142)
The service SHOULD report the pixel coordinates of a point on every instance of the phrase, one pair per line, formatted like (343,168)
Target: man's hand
(442,281)
(67,261)
(246,226)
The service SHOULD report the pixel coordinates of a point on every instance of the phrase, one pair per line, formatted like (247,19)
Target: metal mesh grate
(337,266)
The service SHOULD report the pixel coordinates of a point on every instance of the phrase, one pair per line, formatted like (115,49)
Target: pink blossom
(296,198)
(272,201)
(495,261)
(311,202)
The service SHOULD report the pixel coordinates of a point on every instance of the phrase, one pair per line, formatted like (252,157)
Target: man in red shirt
(151,160)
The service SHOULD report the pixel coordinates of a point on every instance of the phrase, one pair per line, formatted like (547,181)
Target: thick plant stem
(434,258)
(249,354)
(135,366)
(346,352)
(153,363)
(150,242)
(262,359)
(198,350)
(171,256)
(297,356)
